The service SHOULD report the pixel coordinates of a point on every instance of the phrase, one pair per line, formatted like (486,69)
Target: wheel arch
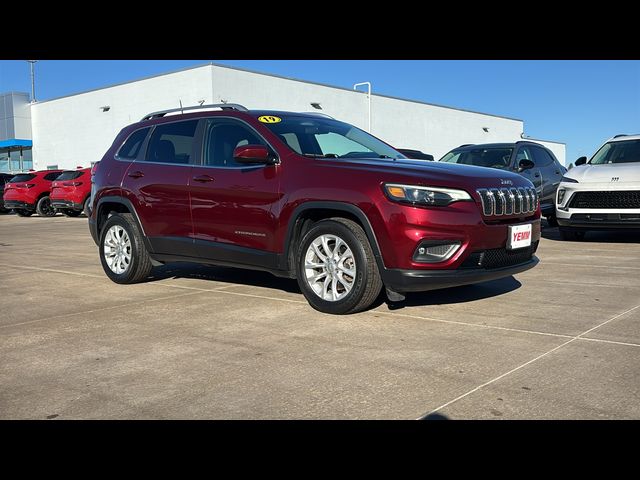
(309,213)
(113,204)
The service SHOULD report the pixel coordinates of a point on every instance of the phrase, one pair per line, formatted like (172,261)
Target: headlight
(428,196)
(561,193)
(568,180)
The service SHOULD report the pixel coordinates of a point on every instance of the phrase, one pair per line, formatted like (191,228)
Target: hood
(436,174)
(625,172)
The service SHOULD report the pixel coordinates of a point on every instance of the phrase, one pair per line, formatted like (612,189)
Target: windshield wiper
(317,155)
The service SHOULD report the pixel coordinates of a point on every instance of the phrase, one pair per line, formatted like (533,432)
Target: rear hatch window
(69,175)
(22,177)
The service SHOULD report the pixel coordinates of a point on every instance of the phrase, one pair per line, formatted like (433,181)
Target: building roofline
(275,76)
(543,140)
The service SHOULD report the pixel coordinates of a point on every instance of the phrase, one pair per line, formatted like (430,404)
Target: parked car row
(47,192)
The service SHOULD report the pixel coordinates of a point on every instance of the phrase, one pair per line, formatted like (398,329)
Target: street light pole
(368,84)
(33,80)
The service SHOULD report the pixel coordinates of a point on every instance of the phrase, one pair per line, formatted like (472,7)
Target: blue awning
(15,142)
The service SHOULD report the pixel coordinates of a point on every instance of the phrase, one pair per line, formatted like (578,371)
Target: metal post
(33,80)
(368,84)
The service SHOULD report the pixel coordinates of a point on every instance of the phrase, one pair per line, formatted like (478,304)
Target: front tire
(23,213)
(44,208)
(571,235)
(552,221)
(336,268)
(123,255)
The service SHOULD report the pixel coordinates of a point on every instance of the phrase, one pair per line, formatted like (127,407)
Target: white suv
(603,193)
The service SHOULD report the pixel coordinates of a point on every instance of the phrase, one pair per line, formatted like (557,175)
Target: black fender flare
(127,203)
(340,207)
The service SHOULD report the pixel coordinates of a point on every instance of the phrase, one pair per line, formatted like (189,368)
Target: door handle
(537,175)
(136,174)
(557,172)
(203,178)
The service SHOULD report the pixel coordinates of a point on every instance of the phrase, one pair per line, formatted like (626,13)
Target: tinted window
(131,147)
(524,153)
(222,137)
(618,152)
(23,177)
(172,142)
(52,176)
(541,157)
(70,175)
(481,157)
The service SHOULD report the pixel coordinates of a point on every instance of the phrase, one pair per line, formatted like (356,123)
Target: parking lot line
(479,387)
(98,310)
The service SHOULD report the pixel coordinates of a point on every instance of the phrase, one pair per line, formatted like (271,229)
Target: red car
(70,192)
(305,196)
(27,193)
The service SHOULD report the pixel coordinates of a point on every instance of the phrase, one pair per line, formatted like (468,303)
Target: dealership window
(52,167)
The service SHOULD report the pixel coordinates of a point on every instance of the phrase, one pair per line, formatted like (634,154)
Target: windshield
(23,177)
(69,175)
(617,152)
(328,138)
(481,157)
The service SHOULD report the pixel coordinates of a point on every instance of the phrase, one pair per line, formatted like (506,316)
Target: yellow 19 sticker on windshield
(269,119)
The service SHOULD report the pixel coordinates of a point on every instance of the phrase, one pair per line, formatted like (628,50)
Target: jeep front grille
(508,201)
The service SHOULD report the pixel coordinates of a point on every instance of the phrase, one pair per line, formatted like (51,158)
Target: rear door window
(172,143)
(52,176)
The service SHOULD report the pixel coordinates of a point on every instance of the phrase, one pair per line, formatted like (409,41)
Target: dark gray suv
(533,161)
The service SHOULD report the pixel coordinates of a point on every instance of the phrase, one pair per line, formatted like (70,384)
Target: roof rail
(318,114)
(466,145)
(222,106)
(620,135)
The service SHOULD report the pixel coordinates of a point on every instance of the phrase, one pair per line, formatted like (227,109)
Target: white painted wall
(74,131)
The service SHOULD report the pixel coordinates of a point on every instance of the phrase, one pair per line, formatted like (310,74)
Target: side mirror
(525,165)
(252,154)
(570,166)
(581,161)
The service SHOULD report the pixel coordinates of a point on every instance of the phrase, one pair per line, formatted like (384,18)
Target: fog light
(561,193)
(435,251)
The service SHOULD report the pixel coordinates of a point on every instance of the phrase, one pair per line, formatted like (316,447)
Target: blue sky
(581,103)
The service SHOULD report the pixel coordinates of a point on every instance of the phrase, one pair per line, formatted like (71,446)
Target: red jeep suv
(29,192)
(304,196)
(71,190)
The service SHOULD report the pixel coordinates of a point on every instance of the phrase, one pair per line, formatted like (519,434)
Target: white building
(77,129)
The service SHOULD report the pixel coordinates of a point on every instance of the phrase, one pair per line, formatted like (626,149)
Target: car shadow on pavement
(463,294)
(239,276)
(594,236)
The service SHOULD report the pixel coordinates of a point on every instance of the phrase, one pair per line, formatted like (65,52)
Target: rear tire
(70,212)
(122,252)
(23,213)
(571,235)
(552,221)
(44,208)
(343,247)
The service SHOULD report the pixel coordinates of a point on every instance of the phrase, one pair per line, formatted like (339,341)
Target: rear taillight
(26,185)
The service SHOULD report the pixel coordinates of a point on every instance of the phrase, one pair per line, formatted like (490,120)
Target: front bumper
(600,221)
(17,204)
(400,280)
(60,203)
